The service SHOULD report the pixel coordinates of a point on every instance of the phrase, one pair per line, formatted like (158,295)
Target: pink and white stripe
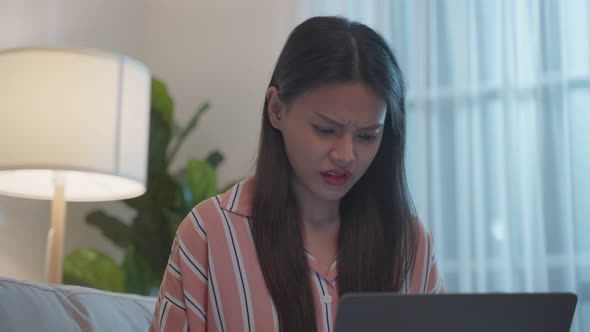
(213,281)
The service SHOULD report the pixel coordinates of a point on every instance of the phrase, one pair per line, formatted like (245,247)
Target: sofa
(31,306)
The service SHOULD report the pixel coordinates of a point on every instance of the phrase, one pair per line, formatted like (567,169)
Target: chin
(333,194)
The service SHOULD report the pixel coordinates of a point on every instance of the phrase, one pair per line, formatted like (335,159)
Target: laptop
(522,312)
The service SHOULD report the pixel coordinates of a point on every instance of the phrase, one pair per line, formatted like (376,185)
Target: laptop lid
(522,312)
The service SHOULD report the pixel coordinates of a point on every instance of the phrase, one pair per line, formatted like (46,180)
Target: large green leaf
(174,219)
(142,202)
(168,193)
(111,227)
(200,180)
(158,144)
(91,268)
(139,275)
(151,238)
(163,191)
(161,102)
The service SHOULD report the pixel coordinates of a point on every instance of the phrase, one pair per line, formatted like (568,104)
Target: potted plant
(146,240)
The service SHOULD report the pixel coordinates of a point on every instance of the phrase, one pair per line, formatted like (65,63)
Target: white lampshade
(79,113)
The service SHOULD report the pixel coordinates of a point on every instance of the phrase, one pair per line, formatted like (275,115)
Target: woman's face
(331,134)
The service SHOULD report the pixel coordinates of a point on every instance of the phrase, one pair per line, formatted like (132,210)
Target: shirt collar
(238,199)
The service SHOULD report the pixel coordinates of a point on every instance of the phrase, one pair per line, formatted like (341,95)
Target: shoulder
(209,213)
(424,268)
(423,244)
(423,238)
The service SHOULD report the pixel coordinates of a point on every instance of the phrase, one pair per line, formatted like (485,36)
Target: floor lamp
(74,126)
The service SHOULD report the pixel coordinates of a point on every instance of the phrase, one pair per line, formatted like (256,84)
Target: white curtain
(498,153)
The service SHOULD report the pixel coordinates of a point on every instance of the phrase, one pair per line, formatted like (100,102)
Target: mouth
(336,177)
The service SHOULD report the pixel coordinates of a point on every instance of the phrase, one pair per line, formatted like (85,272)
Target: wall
(219,51)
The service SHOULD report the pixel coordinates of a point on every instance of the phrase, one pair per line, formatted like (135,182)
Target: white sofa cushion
(30,306)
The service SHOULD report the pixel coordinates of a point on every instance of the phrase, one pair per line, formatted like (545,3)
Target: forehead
(348,102)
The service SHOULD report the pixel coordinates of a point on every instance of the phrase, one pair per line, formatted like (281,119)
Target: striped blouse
(213,281)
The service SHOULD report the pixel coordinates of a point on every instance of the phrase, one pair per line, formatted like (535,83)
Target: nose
(342,153)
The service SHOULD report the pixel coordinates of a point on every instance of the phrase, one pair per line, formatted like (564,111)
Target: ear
(275,108)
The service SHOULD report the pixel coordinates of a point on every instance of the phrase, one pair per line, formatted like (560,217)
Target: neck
(316,212)
(320,221)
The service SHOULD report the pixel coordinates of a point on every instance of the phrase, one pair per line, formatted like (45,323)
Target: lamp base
(55,236)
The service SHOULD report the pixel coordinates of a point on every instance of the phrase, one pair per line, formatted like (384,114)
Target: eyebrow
(340,125)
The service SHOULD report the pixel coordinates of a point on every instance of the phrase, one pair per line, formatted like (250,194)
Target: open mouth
(336,177)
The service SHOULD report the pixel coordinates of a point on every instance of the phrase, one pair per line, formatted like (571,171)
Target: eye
(324,130)
(368,137)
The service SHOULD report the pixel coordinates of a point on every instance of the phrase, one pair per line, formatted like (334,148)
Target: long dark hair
(377,240)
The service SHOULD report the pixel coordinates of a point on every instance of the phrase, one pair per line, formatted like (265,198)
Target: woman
(327,211)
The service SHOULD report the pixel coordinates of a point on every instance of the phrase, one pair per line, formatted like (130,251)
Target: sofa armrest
(30,306)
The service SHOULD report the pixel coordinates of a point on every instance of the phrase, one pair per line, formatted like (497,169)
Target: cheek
(303,150)
(294,152)
(365,156)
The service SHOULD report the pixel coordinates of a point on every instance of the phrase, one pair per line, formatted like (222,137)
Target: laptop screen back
(550,312)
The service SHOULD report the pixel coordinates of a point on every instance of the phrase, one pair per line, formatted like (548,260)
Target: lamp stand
(55,237)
